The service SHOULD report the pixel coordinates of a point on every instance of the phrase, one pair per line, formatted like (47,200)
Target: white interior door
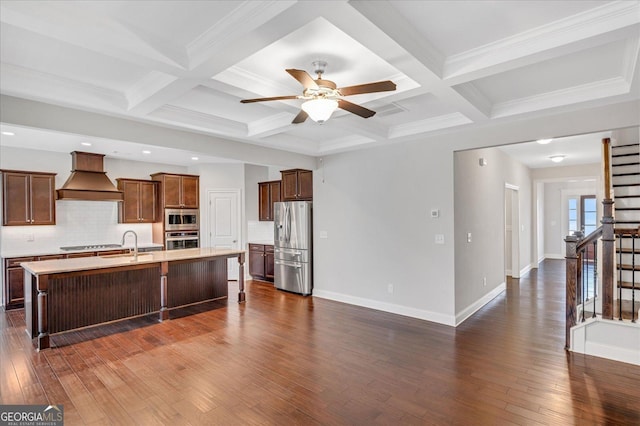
(224,224)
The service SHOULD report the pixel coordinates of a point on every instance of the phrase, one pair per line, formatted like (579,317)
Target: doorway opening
(511,231)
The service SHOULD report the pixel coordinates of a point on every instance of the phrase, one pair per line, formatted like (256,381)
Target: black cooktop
(91,247)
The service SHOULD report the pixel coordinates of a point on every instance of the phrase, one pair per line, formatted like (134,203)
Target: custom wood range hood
(88,180)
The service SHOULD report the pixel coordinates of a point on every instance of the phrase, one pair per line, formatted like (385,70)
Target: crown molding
(47,87)
(200,121)
(572,95)
(270,125)
(428,125)
(147,86)
(630,58)
(244,18)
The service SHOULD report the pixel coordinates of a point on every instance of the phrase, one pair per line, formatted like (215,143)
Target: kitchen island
(67,294)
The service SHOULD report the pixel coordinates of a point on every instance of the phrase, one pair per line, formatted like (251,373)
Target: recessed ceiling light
(146,152)
(557,158)
(544,141)
(85,143)
(8,133)
(194,158)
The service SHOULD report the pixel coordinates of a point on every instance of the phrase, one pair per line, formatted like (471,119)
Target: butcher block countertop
(45,267)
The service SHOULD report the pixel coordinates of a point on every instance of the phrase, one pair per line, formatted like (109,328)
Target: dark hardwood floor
(284,359)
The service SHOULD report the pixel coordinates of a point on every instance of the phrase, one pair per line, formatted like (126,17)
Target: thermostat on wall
(435,213)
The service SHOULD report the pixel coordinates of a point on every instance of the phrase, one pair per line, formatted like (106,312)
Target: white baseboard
(474,307)
(553,256)
(525,270)
(386,307)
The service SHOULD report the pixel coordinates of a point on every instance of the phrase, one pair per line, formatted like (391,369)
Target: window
(573,215)
(583,214)
(588,214)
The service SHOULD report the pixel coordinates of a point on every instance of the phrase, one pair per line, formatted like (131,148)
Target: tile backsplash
(259,231)
(77,223)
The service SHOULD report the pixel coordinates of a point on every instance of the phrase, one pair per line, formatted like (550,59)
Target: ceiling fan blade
(303,77)
(380,86)
(300,118)
(276,98)
(355,109)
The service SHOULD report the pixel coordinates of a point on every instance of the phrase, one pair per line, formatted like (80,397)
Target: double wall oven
(181,228)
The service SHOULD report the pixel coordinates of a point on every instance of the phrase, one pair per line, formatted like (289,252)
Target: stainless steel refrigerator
(293,240)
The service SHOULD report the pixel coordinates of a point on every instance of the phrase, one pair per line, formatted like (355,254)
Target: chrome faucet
(135,243)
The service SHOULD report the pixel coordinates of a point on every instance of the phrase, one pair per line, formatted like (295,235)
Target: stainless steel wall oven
(175,240)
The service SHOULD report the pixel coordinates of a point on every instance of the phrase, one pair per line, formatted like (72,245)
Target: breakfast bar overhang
(67,294)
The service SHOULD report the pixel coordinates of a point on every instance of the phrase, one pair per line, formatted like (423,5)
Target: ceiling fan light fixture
(320,109)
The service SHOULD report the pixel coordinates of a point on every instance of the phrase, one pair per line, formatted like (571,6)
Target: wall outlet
(468,237)
(484,281)
(390,288)
(439,239)
(31,237)
(323,234)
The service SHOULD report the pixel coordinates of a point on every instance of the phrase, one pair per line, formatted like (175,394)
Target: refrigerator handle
(288,223)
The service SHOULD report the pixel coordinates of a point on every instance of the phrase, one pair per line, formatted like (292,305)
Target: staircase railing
(582,262)
(634,236)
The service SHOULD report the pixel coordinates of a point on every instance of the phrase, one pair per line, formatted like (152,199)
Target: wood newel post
(608,254)
(571,260)
(606,161)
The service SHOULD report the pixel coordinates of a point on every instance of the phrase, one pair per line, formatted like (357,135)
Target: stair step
(627,208)
(624,155)
(627,196)
(625,146)
(633,163)
(629,285)
(622,185)
(629,267)
(626,250)
(626,174)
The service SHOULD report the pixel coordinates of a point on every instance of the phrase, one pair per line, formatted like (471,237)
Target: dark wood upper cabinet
(297,185)
(268,193)
(28,198)
(140,201)
(178,191)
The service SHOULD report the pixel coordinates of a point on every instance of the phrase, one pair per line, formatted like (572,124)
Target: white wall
(552,183)
(374,207)
(219,176)
(480,210)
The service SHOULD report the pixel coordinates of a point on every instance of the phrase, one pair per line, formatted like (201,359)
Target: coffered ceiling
(187,64)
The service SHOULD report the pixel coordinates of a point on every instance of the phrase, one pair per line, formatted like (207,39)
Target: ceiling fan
(322,97)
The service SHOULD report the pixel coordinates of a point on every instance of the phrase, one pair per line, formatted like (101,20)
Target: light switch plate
(435,213)
(439,239)
(324,234)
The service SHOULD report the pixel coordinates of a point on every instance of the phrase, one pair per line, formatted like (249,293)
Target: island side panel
(30,305)
(196,281)
(85,298)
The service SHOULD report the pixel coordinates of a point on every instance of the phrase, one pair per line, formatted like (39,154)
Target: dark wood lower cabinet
(14,282)
(261,262)
(14,274)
